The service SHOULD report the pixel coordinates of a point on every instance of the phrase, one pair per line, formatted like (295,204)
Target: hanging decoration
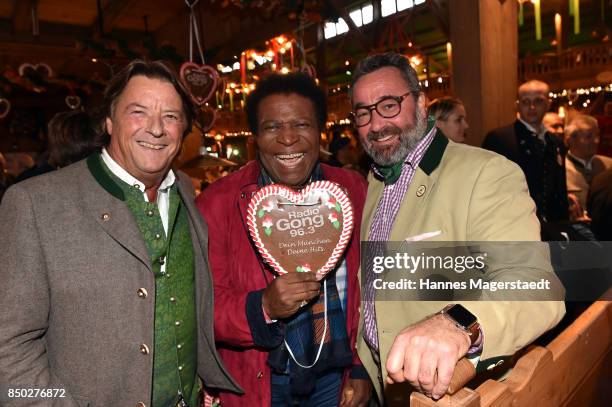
(521,16)
(200,80)
(538,19)
(279,56)
(558,33)
(73,101)
(42,70)
(5,107)
(206,118)
(575,11)
(309,70)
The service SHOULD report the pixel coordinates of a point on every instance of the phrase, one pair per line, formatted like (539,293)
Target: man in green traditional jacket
(106,293)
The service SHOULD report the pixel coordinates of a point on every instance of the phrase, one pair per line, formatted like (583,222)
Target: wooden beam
(22,15)
(441,16)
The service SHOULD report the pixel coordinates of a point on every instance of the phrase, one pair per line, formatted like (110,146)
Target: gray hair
(388,59)
(575,124)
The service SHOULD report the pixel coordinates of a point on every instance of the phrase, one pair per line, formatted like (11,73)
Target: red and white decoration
(301,231)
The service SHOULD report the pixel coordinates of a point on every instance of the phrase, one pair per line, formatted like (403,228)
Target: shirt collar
(585,163)
(126,177)
(539,133)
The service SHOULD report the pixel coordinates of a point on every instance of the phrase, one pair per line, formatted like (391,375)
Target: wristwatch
(464,320)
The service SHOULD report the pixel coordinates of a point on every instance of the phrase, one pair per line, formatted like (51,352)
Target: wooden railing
(570,61)
(567,372)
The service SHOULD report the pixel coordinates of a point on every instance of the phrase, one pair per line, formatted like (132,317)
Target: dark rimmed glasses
(388,107)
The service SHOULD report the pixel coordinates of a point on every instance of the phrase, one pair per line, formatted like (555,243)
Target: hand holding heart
(283,296)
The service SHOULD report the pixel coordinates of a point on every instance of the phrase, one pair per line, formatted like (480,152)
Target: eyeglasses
(387,107)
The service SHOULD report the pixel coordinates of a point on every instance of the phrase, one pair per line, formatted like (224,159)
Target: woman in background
(450,116)
(72,137)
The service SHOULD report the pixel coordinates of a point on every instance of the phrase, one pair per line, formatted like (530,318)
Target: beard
(409,137)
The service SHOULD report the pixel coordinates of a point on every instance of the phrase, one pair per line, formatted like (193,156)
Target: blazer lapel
(415,200)
(118,222)
(413,206)
(188,200)
(104,201)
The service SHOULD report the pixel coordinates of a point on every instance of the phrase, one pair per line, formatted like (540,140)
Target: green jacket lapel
(112,214)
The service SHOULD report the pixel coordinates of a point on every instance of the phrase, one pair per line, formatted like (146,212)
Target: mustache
(384,132)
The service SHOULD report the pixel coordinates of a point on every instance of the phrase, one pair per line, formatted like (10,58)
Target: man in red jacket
(258,313)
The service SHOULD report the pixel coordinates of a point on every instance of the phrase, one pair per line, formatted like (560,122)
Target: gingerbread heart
(73,101)
(201,81)
(5,107)
(205,118)
(41,70)
(301,231)
(44,70)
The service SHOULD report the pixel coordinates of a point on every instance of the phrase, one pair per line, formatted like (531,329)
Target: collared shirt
(163,192)
(540,134)
(587,164)
(393,194)
(380,230)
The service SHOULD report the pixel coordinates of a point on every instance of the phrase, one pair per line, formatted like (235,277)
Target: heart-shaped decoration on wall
(206,118)
(301,231)
(42,70)
(5,107)
(73,101)
(201,81)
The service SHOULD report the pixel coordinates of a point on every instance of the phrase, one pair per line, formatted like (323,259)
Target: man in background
(539,153)
(554,124)
(581,162)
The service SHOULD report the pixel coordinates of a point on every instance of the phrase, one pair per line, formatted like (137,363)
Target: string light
(580,91)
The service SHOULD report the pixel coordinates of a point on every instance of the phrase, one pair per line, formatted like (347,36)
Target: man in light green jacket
(425,187)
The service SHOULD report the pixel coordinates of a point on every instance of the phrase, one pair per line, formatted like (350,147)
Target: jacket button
(260,374)
(105,216)
(142,293)
(144,349)
(243,195)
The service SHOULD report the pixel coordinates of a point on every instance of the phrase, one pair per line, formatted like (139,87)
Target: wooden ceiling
(71,32)
(225,28)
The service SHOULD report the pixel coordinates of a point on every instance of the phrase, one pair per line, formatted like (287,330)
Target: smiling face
(455,125)
(584,140)
(388,140)
(146,128)
(287,138)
